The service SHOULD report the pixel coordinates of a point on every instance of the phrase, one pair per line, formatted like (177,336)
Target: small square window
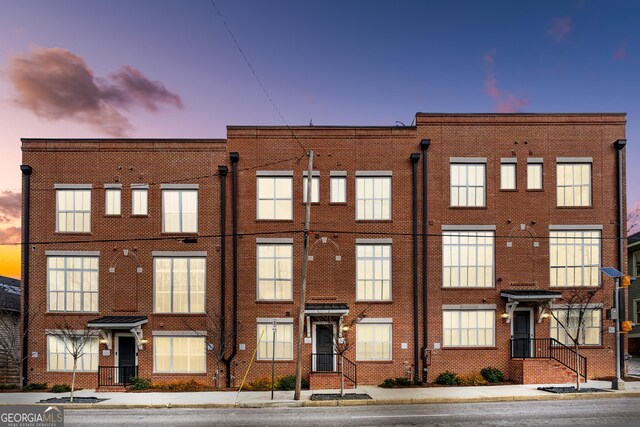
(338,189)
(508,176)
(113,201)
(139,201)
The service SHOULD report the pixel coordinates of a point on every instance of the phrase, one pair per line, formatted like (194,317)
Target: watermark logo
(31,416)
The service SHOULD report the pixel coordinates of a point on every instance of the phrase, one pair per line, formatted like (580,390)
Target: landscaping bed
(337,396)
(75,400)
(566,390)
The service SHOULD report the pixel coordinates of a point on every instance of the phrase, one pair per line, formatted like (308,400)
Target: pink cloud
(10,234)
(505,102)
(10,205)
(621,52)
(559,28)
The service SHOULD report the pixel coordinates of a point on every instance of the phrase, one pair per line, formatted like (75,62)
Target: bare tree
(11,337)
(633,219)
(575,308)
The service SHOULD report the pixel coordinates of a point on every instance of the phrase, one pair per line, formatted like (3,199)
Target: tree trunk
(577,368)
(341,375)
(73,379)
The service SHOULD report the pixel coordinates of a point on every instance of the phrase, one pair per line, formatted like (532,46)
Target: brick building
(448,245)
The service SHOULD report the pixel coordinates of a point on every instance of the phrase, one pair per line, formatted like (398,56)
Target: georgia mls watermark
(31,416)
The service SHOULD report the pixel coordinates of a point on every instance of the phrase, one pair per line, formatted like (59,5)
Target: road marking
(401,416)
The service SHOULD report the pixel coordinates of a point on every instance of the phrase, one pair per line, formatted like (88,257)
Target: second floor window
(179,211)
(373,197)
(315,188)
(72,283)
(275,276)
(113,202)
(373,272)
(467,259)
(574,257)
(468,184)
(338,189)
(534,176)
(573,184)
(507,176)
(179,284)
(73,211)
(275,197)
(139,201)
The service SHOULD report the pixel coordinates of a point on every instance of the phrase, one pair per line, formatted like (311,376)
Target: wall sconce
(144,341)
(103,341)
(345,328)
(505,315)
(545,315)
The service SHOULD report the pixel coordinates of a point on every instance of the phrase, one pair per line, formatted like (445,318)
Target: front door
(324,348)
(126,359)
(521,334)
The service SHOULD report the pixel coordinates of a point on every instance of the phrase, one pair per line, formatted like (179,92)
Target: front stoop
(111,388)
(328,381)
(541,371)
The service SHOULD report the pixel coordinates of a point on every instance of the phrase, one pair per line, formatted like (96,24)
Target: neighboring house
(518,214)
(9,330)
(633,251)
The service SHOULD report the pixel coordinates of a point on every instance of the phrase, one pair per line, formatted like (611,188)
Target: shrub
(260,384)
(418,381)
(35,386)
(288,382)
(389,383)
(403,382)
(471,379)
(447,378)
(180,385)
(492,375)
(60,388)
(140,384)
(8,386)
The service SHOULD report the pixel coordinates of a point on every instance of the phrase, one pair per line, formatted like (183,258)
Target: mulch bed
(75,400)
(336,396)
(565,390)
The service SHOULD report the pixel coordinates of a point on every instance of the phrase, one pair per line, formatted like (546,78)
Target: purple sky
(170,68)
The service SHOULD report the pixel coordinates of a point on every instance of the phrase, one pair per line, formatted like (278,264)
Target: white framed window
(139,201)
(179,284)
(73,210)
(468,328)
(573,184)
(180,211)
(468,258)
(60,359)
(113,202)
(468,184)
(590,330)
(275,271)
(534,176)
(507,176)
(636,311)
(179,354)
(275,197)
(373,340)
(373,197)
(73,283)
(373,272)
(574,257)
(338,189)
(315,188)
(283,343)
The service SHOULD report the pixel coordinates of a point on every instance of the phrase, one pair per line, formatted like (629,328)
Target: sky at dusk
(170,69)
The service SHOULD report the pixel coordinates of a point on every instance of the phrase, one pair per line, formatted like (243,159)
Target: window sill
(470,348)
(274,301)
(181,374)
(73,233)
(574,207)
(508,190)
(571,288)
(113,216)
(373,221)
(312,203)
(179,233)
(374,301)
(180,314)
(274,220)
(77,372)
(377,362)
(475,288)
(72,313)
(468,207)
(276,361)
(139,215)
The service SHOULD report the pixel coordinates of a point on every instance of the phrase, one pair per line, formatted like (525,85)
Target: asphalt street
(599,412)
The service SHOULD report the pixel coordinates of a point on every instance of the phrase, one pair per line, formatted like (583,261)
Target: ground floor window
(563,329)
(60,349)
(179,354)
(373,341)
(468,328)
(283,342)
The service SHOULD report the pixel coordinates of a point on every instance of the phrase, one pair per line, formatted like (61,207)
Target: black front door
(324,348)
(126,359)
(521,334)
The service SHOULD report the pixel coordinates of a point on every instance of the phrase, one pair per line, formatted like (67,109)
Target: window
(373,341)
(315,188)
(589,330)
(73,283)
(636,311)
(507,176)
(534,176)
(574,184)
(60,359)
(373,275)
(468,328)
(574,258)
(275,263)
(338,189)
(73,211)
(283,343)
(373,198)
(140,201)
(179,354)
(179,211)
(275,197)
(113,201)
(467,184)
(179,284)
(467,259)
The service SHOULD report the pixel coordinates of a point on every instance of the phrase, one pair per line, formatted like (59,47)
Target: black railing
(548,348)
(330,363)
(116,375)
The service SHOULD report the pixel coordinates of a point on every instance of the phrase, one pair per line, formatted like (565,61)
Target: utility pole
(303,289)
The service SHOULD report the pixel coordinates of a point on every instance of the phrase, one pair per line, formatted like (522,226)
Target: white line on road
(401,416)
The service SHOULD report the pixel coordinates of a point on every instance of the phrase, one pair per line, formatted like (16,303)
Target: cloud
(621,52)
(559,28)
(505,102)
(10,205)
(56,84)
(10,235)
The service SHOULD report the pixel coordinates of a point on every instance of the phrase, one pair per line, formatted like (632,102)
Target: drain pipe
(222,171)
(26,220)
(415,157)
(234,156)
(619,145)
(424,145)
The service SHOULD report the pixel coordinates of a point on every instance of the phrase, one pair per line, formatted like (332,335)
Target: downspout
(622,238)
(415,157)
(26,221)
(234,156)
(424,145)
(222,171)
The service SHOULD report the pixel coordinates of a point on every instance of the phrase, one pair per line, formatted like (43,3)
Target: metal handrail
(324,363)
(548,348)
(116,375)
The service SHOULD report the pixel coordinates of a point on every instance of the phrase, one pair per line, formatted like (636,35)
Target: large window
(507,176)
(139,201)
(373,275)
(315,188)
(180,211)
(467,259)
(373,341)
(573,184)
(283,343)
(73,211)
(59,357)
(179,284)
(113,201)
(373,197)
(468,328)
(72,283)
(179,354)
(275,275)
(574,258)
(534,176)
(468,184)
(338,189)
(275,197)
(589,329)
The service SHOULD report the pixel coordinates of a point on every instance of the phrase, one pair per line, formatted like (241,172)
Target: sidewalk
(380,396)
